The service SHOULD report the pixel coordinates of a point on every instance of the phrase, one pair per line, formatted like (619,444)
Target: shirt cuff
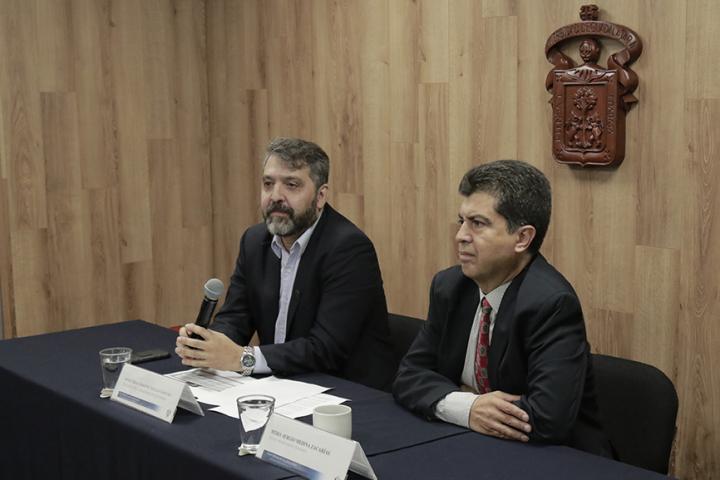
(261,366)
(455,408)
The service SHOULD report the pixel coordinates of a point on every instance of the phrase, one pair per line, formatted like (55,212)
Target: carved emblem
(589,102)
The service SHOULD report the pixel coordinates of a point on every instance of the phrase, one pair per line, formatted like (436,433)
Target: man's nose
(276,194)
(462,235)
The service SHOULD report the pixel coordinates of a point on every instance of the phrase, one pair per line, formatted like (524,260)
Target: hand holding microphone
(214,289)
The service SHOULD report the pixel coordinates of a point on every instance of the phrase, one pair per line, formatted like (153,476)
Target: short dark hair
(522,194)
(298,153)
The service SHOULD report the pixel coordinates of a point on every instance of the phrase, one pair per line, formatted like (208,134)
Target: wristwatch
(247,361)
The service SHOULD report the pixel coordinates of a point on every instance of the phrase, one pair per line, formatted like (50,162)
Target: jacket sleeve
(557,363)
(234,318)
(418,385)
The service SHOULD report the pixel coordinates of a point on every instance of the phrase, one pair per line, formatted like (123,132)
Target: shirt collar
(300,244)
(495,297)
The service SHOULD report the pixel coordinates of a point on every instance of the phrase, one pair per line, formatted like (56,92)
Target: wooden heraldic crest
(589,102)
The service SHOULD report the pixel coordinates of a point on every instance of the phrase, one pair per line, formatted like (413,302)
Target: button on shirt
(455,407)
(289,262)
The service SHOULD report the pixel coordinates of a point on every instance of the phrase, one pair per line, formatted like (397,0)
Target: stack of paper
(292,398)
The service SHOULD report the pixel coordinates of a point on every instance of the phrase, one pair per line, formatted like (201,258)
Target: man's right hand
(494,414)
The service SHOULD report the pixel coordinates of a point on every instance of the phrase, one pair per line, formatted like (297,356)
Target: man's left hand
(215,350)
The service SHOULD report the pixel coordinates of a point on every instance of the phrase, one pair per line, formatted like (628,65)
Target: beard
(292,224)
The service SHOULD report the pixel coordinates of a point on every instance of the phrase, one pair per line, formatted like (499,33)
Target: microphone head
(214,288)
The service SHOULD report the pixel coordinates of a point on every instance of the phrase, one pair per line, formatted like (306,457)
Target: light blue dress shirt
(289,262)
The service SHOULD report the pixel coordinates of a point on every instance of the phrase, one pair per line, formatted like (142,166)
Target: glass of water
(254,411)
(112,361)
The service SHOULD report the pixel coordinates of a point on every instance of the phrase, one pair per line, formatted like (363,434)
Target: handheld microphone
(214,289)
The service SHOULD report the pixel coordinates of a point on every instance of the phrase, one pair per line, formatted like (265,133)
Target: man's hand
(215,350)
(494,414)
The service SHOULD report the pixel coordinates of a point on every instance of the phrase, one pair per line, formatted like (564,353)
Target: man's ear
(321,196)
(525,236)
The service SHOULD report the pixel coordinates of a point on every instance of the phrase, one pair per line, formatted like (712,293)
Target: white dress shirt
(455,406)
(289,262)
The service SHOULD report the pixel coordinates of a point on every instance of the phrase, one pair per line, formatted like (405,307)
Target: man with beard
(307,281)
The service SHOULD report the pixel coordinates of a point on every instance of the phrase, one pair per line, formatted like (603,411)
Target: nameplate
(154,394)
(311,452)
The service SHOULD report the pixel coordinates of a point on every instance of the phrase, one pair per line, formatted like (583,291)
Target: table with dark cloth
(54,425)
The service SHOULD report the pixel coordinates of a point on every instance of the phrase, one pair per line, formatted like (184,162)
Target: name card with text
(154,394)
(311,452)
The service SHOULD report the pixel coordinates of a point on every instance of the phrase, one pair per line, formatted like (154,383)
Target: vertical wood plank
(659,191)
(337,66)
(7,286)
(657,312)
(401,280)
(464,16)
(21,113)
(494,96)
(126,36)
(67,214)
(192,113)
(168,254)
(159,68)
(31,279)
(433,197)
(97,113)
(433,41)
(698,382)
(404,24)
(499,8)
(55,46)
(106,288)
(703,28)
(376,107)
(289,74)
(138,288)
(611,333)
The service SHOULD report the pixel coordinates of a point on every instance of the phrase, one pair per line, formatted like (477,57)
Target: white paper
(305,406)
(283,391)
(204,382)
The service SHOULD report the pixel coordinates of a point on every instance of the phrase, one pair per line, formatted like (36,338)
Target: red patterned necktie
(481,352)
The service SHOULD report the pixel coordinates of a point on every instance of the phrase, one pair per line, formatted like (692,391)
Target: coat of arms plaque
(589,102)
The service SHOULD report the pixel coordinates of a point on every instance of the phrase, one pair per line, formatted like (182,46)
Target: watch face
(248,361)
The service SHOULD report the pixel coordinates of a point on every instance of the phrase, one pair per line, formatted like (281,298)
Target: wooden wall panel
(135,131)
(87,90)
(21,112)
(698,380)
(377,159)
(97,115)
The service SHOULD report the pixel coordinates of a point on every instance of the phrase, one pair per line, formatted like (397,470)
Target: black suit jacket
(337,317)
(538,350)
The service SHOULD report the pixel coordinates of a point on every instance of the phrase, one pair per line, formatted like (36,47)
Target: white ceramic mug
(335,419)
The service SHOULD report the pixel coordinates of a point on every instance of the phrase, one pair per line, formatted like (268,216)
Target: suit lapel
(503,325)
(461,318)
(307,265)
(270,291)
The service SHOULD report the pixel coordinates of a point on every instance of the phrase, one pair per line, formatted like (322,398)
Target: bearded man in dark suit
(306,280)
(504,350)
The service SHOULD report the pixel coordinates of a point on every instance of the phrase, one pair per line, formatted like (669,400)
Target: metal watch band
(247,351)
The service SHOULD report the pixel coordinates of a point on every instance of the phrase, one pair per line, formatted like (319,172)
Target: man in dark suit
(504,351)
(306,280)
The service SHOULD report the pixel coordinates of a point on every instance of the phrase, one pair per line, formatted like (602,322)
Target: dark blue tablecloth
(53,425)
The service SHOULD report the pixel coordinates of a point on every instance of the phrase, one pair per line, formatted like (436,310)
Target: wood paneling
(132,134)
(104,162)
